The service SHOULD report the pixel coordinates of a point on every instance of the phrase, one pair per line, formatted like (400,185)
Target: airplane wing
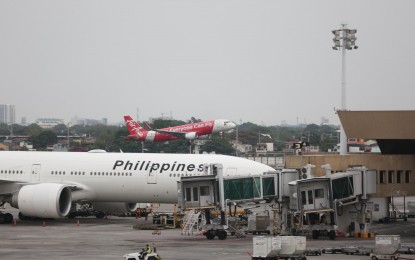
(163,131)
(173,133)
(7,187)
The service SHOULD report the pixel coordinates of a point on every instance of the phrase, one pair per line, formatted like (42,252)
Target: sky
(265,62)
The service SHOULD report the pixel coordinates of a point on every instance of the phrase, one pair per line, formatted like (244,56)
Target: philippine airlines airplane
(45,184)
(201,130)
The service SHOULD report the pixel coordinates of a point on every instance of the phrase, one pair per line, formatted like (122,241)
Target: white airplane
(45,184)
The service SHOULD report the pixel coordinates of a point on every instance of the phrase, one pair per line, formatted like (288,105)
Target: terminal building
(394,132)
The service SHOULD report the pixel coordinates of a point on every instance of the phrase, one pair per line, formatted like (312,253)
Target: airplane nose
(231,125)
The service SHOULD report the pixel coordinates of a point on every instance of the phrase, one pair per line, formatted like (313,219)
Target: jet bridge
(322,204)
(207,194)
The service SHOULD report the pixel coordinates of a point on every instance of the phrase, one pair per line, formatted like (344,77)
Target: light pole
(68,136)
(345,40)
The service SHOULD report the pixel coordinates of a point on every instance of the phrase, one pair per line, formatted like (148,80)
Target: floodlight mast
(346,40)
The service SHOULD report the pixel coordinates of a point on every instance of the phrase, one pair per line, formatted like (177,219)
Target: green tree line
(111,138)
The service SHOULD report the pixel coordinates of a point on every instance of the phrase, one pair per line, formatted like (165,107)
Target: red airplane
(201,130)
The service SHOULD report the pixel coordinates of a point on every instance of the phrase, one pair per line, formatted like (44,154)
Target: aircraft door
(35,173)
(152,177)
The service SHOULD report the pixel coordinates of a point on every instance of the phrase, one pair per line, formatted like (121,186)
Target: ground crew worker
(147,251)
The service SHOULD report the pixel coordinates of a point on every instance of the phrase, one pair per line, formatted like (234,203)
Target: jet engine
(203,137)
(190,136)
(44,200)
(115,207)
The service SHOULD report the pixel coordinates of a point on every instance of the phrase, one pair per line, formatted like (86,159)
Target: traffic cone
(77,223)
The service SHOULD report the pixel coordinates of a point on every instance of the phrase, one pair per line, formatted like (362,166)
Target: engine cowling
(190,136)
(115,207)
(203,137)
(44,200)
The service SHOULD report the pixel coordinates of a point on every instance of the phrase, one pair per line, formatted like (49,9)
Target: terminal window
(408,174)
(398,176)
(382,176)
(390,176)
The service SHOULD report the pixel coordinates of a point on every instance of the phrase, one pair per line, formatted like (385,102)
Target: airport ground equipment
(6,218)
(293,247)
(279,247)
(139,256)
(386,247)
(213,192)
(314,252)
(84,210)
(266,247)
(407,248)
(316,202)
(411,209)
(258,224)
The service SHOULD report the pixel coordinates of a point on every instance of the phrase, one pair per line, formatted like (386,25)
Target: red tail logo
(133,127)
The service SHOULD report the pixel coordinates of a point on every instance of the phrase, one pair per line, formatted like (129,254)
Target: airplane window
(71,173)
(83,173)
(122,174)
(118,174)
(110,173)
(131,174)
(95,173)
(59,172)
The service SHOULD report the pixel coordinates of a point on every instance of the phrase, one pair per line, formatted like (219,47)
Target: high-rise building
(7,114)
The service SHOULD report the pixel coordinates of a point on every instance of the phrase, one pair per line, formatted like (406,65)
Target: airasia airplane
(201,130)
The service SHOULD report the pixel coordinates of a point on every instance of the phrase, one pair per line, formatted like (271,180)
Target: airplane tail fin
(148,127)
(133,127)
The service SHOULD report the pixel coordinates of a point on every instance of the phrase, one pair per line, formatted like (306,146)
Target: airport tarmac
(113,237)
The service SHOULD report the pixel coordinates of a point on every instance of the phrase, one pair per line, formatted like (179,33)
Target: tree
(219,146)
(43,139)
(4,129)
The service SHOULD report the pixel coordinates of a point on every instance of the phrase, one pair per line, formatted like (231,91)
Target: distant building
(7,114)
(263,148)
(86,121)
(241,148)
(49,122)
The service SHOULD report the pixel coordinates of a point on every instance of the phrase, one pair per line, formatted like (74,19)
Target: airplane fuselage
(200,130)
(114,177)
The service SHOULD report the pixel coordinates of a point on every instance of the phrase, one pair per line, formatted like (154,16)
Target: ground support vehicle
(6,218)
(218,230)
(139,256)
(84,210)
